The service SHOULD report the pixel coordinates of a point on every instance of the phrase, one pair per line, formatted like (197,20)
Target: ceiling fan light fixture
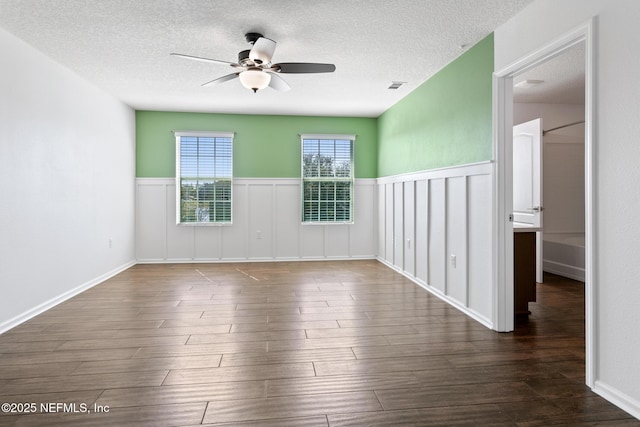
(255,79)
(258,57)
(262,50)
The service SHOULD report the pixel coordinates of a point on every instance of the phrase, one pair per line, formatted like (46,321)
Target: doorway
(503,181)
(549,188)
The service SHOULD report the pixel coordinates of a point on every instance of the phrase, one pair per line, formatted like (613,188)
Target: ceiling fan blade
(278,83)
(262,51)
(303,67)
(222,79)
(198,58)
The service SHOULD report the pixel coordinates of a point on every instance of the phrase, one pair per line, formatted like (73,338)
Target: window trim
(211,134)
(350,137)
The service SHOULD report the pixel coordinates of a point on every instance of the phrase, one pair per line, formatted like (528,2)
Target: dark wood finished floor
(295,344)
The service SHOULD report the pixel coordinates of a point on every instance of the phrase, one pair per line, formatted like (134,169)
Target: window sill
(328,223)
(204,224)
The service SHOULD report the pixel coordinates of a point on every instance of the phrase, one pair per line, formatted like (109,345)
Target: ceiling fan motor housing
(252,37)
(243,57)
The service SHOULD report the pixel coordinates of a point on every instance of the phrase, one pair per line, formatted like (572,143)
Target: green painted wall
(446,121)
(264,146)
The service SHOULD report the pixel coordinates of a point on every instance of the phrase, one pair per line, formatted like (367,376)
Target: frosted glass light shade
(254,79)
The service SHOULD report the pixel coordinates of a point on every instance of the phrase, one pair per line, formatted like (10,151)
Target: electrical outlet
(258,234)
(453,260)
(110,243)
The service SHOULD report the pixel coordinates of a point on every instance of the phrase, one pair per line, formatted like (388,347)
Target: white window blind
(327,178)
(204,177)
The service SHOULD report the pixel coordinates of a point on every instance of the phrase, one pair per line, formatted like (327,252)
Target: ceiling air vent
(396,85)
(527,84)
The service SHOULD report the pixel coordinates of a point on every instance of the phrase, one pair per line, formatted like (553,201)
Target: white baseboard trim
(455,304)
(247,260)
(621,400)
(564,270)
(29,314)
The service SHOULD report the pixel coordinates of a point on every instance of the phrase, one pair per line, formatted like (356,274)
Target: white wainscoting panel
(388,222)
(336,241)
(442,212)
(382,226)
(261,221)
(479,233)
(151,220)
(437,244)
(456,238)
(234,238)
(312,241)
(266,225)
(422,230)
(398,225)
(363,232)
(409,228)
(180,241)
(208,243)
(287,208)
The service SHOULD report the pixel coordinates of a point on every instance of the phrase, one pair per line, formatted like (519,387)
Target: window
(327,178)
(204,166)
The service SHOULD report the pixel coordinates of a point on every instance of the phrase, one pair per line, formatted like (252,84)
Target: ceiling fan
(254,67)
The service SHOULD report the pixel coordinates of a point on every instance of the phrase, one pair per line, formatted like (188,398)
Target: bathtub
(563,254)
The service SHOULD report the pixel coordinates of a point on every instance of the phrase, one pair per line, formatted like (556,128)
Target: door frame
(503,318)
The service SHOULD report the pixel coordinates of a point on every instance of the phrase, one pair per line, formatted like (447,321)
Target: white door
(527,181)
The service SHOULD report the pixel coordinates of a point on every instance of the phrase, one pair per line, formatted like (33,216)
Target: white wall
(563,164)
(617,152)
(427,217)
(67,165)
(266,225)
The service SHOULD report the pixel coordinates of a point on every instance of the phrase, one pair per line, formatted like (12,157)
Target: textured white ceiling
(123,47)
(563,79)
